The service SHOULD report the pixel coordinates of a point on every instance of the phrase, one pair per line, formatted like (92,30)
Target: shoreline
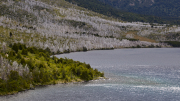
(58,83)
(45,66)
(111,49)
(71,82)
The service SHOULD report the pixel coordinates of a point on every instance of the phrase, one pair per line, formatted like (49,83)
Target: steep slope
(162,8)
(107,8)
(65,28)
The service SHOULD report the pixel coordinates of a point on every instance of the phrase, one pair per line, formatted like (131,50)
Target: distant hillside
(107,7)
(161,8)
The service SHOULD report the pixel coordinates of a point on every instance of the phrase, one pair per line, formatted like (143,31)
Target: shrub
(24,51)
(15,47)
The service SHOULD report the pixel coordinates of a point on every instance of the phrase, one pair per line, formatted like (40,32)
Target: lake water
(149,74)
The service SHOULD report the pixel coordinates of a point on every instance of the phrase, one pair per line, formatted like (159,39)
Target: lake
(144,74)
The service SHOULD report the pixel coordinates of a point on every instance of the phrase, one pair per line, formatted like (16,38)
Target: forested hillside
(144,12)
(33,30)
(162,8)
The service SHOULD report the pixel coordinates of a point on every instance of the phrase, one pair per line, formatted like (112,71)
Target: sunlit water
(134,75)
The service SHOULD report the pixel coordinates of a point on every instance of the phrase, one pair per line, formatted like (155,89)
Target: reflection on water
(133,75)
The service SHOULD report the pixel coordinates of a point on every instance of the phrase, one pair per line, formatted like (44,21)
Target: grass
(140,38)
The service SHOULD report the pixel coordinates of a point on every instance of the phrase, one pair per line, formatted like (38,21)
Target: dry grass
(134,33)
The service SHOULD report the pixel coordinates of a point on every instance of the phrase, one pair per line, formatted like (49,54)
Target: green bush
(12,54)
(173,43)
(43,71)
(18,56)
(23,62)
(15,47)
(24,52)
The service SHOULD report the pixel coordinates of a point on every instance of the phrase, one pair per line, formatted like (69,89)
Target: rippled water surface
(134,75)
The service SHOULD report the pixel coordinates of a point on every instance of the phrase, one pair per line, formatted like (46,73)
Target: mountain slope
(162,8)
(32,30)
(64,27)
(107,9)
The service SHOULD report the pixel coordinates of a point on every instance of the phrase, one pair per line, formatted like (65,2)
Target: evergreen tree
(15,47)
(24,51)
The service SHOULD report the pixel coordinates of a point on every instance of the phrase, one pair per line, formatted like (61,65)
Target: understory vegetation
(24,68)
(173,43)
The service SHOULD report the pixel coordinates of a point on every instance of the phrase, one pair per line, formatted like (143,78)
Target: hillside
(161,8)
(32,30)
(107,7)
(63,27)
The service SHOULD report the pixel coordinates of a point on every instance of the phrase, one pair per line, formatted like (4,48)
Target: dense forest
(162,8)
(106,9)
(173,43)
(24,68)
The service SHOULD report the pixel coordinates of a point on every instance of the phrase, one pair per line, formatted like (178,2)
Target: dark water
(134,75)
